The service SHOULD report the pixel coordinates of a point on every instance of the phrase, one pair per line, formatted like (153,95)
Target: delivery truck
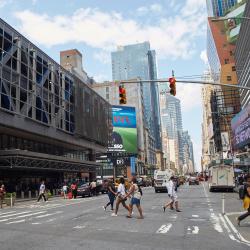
(161,179)
(221,177)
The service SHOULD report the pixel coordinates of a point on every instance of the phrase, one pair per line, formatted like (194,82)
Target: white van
(221,177)
(161,179)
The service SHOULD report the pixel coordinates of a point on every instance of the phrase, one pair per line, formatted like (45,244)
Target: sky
(176,30)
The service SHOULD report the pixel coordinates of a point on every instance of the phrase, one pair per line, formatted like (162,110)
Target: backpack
(242,192)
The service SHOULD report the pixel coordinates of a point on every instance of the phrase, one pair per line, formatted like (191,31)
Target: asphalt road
(83,224)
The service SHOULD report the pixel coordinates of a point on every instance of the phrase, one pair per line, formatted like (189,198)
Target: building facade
(52,124)
(139,61)
(242,57)
(146,144)
(188,153)
(218,8)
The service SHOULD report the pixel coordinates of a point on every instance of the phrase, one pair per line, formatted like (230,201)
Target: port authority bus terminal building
(52,124)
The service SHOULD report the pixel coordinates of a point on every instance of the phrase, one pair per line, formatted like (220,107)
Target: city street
(83,224)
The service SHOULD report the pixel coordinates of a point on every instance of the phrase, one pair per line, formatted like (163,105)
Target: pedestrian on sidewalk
(121,197)
(246,201)
(65,190)
(136,194)
(111,195)
(42,192)
(173,196)
(93,188)
(2,195)
(74,190)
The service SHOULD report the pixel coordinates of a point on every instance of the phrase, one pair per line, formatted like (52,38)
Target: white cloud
(203,56)
(4,2)
(197,147)
(101,77)
(156,7)
(192,7)
(171,37)
(142,10)
(189,94)
(103,57)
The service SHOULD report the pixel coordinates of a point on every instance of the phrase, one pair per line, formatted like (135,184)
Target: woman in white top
(136,199)
(121,197)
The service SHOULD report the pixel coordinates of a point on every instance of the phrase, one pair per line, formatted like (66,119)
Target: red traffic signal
(122,95)
(172,86)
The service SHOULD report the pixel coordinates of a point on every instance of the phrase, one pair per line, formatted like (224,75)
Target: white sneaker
(104,208)
(114,214)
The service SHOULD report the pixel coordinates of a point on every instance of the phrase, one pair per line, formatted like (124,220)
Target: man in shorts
(173,196)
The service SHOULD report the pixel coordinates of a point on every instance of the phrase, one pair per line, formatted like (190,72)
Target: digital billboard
(241,128)
(124,136)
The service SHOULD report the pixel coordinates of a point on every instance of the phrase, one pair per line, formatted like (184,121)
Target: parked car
(84,190)
(193,180)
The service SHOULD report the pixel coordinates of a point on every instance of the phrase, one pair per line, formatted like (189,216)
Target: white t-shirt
(65,188)
(171,188)
(121,189)
(42,188)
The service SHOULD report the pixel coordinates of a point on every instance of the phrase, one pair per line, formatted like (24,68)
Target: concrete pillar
(30,195)
(36,193)
(22,194)
(54,192)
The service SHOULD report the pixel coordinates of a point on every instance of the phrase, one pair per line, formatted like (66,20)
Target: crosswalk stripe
(9,215)
(46,215)
(28,215)
(15,222)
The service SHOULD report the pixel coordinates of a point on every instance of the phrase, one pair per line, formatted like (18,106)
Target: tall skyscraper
(138,61)
(188,152)
(218,8)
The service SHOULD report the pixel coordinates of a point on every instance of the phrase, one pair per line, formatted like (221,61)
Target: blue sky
(176,29)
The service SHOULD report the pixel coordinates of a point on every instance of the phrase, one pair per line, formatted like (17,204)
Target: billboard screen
(124,136)
(241,128)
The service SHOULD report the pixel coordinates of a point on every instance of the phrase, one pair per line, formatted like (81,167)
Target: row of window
(12,142)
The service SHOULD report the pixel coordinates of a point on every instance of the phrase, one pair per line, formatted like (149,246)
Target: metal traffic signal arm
(186,81)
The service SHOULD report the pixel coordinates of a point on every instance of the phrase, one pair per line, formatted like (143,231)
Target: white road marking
(231,236)
(28,215)
(195,215)
(195,230)
(36,223)
(79,227)
(15,222)
(164,229)
(46,215)
(236,231)
(9,215)
(216,223)
(197,219)
(235,213)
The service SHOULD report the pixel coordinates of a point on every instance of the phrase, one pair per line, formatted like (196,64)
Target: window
(229,78)
(226,61)
(233,68)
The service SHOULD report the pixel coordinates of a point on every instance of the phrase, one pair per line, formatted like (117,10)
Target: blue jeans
(111,200)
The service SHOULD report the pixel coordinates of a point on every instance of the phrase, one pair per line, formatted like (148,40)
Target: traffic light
(172,86)
(122,95)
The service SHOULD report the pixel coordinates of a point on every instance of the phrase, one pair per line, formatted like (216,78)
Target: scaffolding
(225,104)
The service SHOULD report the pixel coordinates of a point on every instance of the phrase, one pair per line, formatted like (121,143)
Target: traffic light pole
(185,81)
